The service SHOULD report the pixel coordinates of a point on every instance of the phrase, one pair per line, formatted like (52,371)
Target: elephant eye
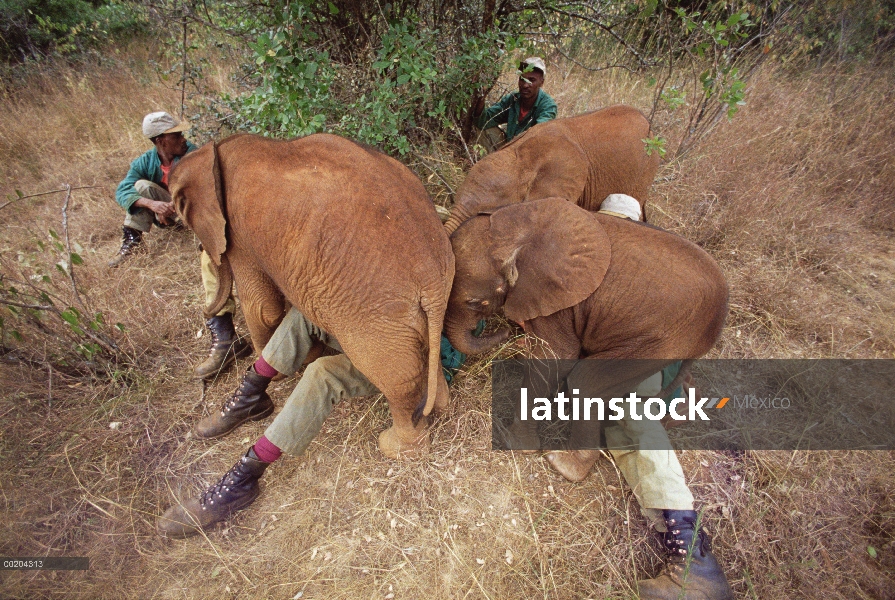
(476,303)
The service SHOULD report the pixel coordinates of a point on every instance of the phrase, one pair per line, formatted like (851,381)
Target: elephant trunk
(225,284)
(459,214)
(459,332)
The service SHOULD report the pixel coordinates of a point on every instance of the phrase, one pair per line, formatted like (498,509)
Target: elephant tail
(427,402)
(225,284)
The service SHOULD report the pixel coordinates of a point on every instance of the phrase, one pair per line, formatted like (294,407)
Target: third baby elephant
(588,284)
(583,159)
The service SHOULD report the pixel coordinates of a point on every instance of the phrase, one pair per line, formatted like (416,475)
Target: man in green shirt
(520,110)
(144,196)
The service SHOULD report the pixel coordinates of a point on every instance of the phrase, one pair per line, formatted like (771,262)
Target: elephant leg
(398,369)
(263,305)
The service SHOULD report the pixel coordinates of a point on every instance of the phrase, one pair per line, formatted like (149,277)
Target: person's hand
(164,212)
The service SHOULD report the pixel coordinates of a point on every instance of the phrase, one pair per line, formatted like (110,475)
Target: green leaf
(70,316)
(119,326)
(16,335)
(20,194)
(76,259)
(402,79)
(54,235)
(871,551)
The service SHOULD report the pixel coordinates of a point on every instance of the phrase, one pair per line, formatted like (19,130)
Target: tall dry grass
(808,255)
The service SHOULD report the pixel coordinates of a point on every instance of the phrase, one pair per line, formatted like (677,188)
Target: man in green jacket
(144,196)
(520,110)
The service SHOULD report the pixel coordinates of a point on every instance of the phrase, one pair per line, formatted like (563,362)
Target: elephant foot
(404,444)
(574,465)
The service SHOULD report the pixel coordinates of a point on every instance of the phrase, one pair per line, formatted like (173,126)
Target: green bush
(32,28)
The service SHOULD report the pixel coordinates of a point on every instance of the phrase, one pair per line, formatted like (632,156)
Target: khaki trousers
(326,382)
(655,476)
(142,220)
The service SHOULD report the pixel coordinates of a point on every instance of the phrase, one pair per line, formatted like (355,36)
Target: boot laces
(238,396)
(233,478)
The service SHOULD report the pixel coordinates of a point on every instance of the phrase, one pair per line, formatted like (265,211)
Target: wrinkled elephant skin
(582,159)
(590,286)
(345,234)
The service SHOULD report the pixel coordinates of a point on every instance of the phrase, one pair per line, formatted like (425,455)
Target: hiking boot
(249,402)
(692,572)
(226,347)
(131,241)
(237,489)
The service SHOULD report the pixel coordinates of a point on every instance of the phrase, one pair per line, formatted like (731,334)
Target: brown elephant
(590,286)
(345,234)
(582,159)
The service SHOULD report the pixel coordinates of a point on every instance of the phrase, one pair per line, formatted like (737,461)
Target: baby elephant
(591,285)
(588,284)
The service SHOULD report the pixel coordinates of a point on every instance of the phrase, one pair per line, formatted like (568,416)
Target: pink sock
(266,451)
(264,369)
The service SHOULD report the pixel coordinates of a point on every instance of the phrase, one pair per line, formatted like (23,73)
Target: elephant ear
(198,194)
(552,253)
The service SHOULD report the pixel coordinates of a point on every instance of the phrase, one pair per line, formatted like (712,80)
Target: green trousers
(326,382)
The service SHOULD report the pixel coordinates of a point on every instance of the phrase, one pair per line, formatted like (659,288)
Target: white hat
(158,123)
(536,63)
(621,205)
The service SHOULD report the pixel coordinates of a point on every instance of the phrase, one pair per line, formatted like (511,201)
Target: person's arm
(496,114)
(163,210)
(547,111)
(125,195)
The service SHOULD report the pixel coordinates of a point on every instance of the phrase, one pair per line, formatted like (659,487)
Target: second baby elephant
(589,285)
(346,235)
(583,159)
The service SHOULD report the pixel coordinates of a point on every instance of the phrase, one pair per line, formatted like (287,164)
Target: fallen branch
(67,189)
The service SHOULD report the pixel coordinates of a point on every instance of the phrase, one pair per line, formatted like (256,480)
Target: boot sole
(258,417)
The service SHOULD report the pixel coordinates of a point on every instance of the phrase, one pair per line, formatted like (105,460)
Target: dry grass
(809,257)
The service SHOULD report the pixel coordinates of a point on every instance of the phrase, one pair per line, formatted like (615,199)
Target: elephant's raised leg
(262,303)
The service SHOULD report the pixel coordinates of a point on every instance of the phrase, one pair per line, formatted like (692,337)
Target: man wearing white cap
(144,196)
(520,110)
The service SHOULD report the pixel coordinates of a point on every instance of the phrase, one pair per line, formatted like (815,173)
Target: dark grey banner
(709,404)
(45,563)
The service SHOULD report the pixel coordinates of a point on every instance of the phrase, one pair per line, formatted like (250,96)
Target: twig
(70,271)
(67,188)
(23,305)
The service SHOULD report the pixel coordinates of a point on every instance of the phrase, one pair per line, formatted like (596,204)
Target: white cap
(536,63)
(622,204)
(158,123)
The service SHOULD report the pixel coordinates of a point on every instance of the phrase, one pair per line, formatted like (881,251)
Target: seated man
(326,381)
(143,194)
(520,110)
